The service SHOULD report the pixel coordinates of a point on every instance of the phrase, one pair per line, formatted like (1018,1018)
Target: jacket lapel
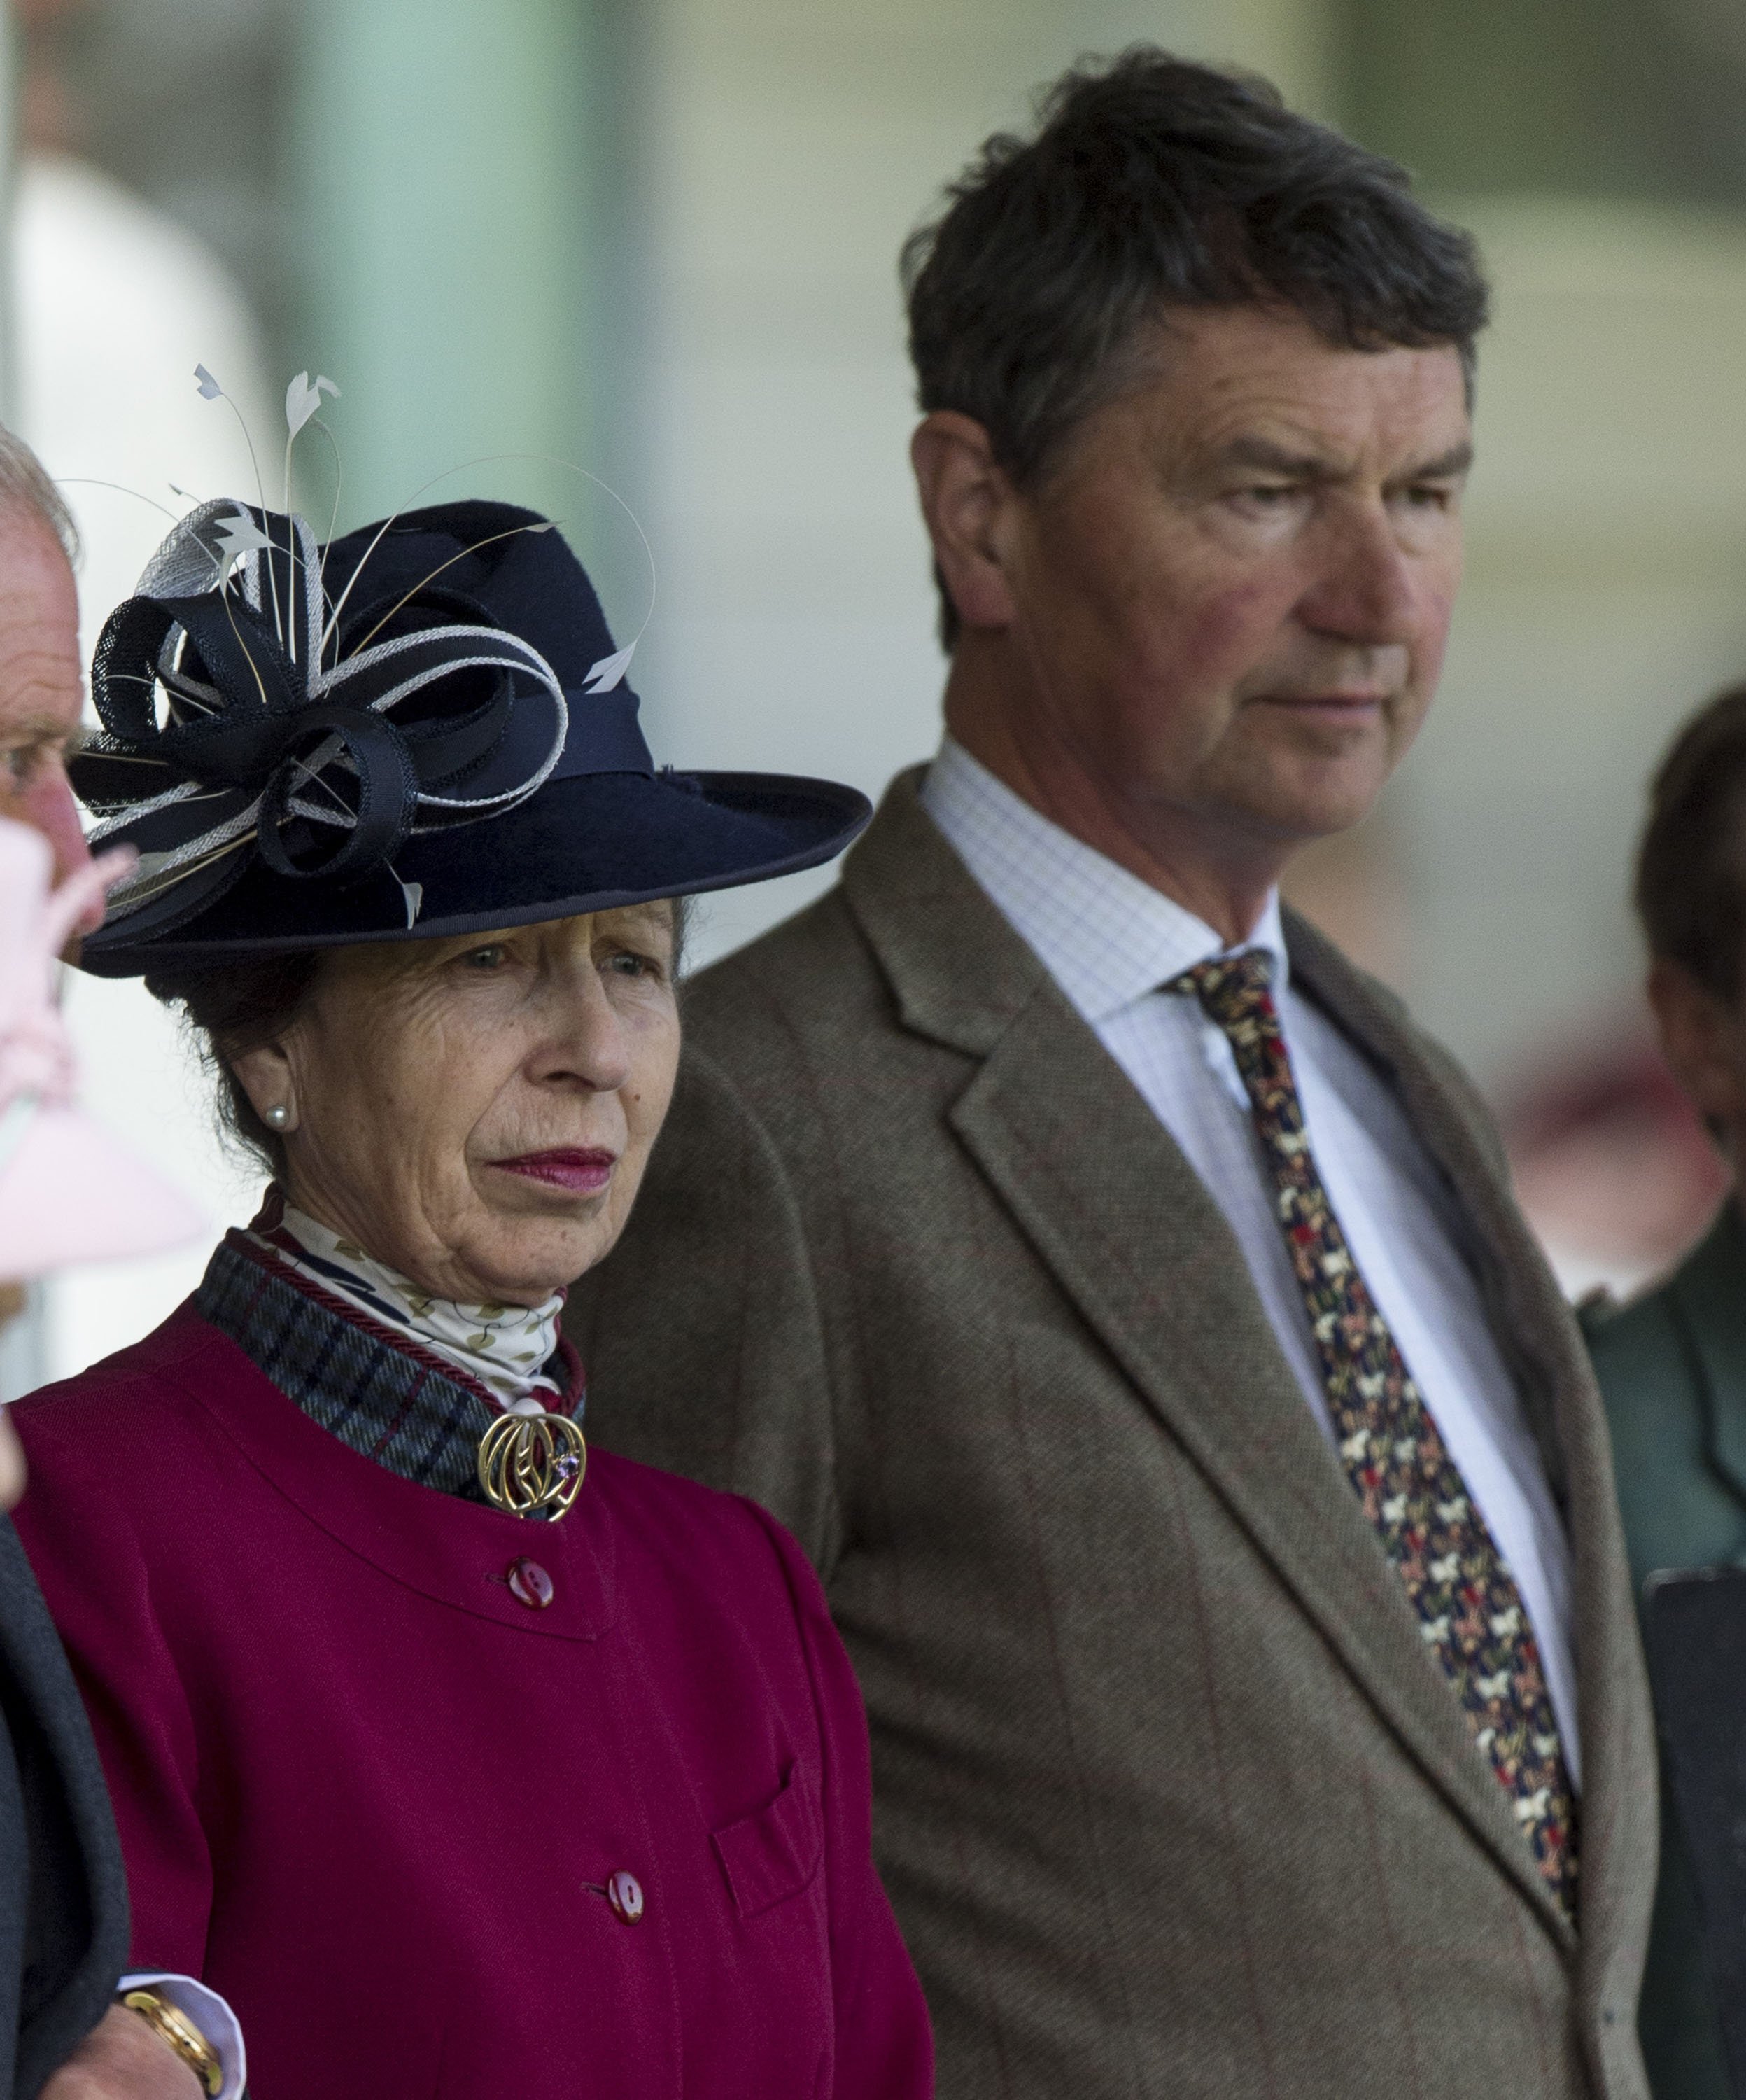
(1112,1205)
(1540,1339)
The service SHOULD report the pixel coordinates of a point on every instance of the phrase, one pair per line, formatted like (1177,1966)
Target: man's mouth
(1346,707)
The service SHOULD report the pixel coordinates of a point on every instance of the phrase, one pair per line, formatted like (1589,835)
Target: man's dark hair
(1152,183)
(1691,866)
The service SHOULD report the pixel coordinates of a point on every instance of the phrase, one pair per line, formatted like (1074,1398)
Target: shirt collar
(1105,936)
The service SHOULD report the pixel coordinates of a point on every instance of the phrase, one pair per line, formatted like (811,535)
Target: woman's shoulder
(136,1394)
(719,1534)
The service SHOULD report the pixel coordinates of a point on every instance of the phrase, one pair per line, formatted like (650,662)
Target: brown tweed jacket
(1169,1799)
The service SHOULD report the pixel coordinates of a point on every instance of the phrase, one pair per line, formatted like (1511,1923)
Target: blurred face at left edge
(42,692)
(41,686)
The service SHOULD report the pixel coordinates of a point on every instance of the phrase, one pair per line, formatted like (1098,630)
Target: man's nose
(48,805)
(1367,591)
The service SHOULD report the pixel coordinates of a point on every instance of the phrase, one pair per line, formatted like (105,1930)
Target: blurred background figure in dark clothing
(1672,1362)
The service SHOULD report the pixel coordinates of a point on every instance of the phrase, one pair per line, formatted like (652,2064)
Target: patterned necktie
(1470,1611)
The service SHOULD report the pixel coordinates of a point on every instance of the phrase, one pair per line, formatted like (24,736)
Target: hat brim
(590,843)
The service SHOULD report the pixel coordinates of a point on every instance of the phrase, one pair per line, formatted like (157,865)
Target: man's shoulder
(818,957)
(1634,1343)
(1642,1345)
(908,941)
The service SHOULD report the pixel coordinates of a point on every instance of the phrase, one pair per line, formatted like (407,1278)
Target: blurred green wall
(1636,100)
(456,170)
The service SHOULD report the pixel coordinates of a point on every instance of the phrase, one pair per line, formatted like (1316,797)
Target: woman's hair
(239,1007)
(1691,866)
(233,1010)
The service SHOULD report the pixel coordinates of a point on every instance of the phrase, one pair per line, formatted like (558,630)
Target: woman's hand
(121,2059)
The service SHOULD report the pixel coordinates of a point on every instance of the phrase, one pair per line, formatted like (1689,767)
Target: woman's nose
(586,1039)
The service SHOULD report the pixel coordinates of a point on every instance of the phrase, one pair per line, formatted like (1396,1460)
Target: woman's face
(478,1112)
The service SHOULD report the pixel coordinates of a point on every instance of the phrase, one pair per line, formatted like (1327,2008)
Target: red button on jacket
(530,1585)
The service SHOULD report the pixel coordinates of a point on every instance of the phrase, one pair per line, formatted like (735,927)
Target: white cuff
(210,2014)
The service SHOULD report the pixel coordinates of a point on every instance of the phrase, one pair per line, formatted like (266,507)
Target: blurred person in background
(461,1764)
(42,675)
(66,1194)
(1120,1298)
(1671,1363)
(1611,1165)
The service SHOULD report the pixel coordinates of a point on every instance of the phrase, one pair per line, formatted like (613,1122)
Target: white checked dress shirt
(1109,941)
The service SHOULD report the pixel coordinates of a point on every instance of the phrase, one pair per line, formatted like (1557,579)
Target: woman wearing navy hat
(458,1761)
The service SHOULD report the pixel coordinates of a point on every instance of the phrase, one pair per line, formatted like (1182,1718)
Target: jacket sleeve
(701,1333)
(90,1560)
(884,2041)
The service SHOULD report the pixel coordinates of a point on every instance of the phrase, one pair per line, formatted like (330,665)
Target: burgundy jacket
(387,1807)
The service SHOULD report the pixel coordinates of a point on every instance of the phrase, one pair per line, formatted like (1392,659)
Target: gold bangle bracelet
(173,2027)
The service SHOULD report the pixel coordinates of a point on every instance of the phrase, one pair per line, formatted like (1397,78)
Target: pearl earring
(278,1116)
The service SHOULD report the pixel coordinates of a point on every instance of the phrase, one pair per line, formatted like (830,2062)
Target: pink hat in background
(69,1192)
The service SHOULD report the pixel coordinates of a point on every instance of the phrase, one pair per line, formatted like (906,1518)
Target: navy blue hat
(421,730)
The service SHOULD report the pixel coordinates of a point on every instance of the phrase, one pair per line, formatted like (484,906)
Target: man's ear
(966,501)
(1704,1044)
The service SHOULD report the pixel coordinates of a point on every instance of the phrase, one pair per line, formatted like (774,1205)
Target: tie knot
(1231,988)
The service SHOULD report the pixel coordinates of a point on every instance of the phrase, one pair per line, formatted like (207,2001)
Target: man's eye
(23,762)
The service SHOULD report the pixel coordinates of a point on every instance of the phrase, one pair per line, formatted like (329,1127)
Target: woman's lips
(581,1173)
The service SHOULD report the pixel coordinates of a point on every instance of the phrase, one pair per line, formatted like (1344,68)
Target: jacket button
(530,1585)
(624,1893)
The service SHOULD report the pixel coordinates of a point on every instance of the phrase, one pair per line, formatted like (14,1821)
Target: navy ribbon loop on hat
(232,720)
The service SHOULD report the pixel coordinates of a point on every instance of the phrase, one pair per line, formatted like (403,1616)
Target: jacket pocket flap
(772,1853)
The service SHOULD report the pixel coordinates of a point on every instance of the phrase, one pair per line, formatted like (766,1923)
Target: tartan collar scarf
(379,1391)
(507,1349)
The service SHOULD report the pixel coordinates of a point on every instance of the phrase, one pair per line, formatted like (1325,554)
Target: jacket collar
(401,1406)
(1708,1290)
(960,974)
(1108,938)
(459,1552)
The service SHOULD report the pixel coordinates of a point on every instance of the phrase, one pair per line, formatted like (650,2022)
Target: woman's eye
(491,958)
(625,964)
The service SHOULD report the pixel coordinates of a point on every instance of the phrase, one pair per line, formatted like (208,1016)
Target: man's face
(1231,593)
(41,688)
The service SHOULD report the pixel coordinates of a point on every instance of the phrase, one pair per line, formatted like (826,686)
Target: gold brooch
(531,1464)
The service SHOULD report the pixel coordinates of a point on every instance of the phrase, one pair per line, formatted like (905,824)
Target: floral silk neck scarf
(507,1349)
